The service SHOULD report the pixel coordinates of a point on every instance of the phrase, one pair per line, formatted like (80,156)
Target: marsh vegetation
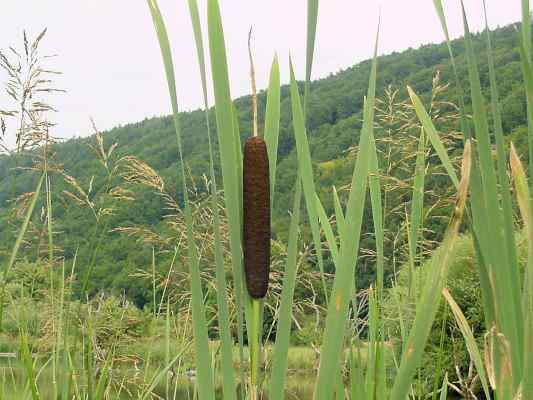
(399,254)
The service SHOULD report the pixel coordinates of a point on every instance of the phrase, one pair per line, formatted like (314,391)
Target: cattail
(256,217)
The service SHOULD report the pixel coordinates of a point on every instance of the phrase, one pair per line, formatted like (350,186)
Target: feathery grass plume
(256,213)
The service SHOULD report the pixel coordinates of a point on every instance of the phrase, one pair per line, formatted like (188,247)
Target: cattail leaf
(506,276)
(524,203)
(281,348)
(202,352)
(501,155)
(465,127)
(306,170)
(478,210)
(228,378)
(429,300)
(230,156)
(377,216)
(343,283)
(272,116)
(312,19)
(525,39)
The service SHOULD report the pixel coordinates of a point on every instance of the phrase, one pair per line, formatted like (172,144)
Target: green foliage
(399,307)
(334,123)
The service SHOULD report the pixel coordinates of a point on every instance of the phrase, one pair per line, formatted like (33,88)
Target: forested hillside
(334,122)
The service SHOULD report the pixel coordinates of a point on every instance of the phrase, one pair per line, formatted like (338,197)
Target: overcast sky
(112,68)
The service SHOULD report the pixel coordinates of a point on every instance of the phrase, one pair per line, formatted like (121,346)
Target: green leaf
(230,156)
(328,231)
(23,229)
(312,19)
(434,138)
(506,278)
(343,283)
(339,214)
(444,389)
(29,366)
(228,378)
(377,216)
(206,387)
(281,348)
(306,169)
(470,341)
(272,124)
(429,300)
(523,198)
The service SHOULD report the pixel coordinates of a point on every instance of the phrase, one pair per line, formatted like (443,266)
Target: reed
(485,192)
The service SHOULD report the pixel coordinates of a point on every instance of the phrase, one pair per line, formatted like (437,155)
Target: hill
(334,122)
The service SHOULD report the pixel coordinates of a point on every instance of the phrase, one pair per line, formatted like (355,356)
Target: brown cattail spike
(256,217)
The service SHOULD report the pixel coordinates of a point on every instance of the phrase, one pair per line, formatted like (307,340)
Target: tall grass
(484,193)
(329,378)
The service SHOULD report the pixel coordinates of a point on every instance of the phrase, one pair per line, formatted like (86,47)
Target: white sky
(112,67)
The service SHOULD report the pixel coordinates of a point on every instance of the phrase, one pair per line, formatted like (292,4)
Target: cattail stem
(255,352)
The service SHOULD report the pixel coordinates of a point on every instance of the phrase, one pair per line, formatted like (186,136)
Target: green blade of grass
(478,214)
(312,19)
(357,381)
(104,376)
(444,388)
(272,124)
(524,203)
(343,283)
(508,217)
(377,217)
(306,170)
(228,378)
(371,358)
(339,214)
(160,375)
(281,348)
(470,341)
(29,366)
(465,126)
(503,179)
(506,277)
(429,301)
(230,154)
(206,388)
(434,138)
(526,27)
(328,231)
(417,202)
(526,55)
(23,228)
(376,373)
